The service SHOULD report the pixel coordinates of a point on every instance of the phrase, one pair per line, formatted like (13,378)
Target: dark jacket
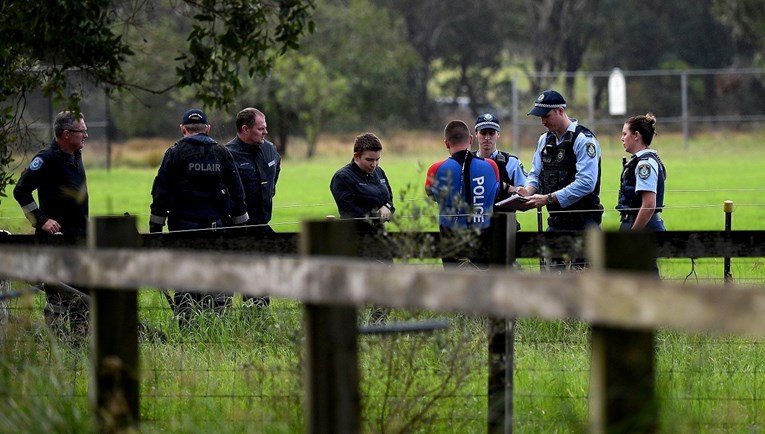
(194,182)
(359,194)
(259,167)
(60,181)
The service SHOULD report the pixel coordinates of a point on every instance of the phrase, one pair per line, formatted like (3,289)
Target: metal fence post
(501,333)
(114,336)
(728,209)
(331,332)
(622,378)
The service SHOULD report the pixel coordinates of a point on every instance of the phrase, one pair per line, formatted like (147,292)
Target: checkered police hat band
(550,106)
(483,125)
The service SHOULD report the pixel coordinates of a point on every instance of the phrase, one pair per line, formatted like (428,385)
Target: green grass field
(242,372)
(700,179)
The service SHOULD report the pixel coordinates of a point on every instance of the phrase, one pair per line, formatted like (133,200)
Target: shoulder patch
(36,163)
(644,170)
(591,152)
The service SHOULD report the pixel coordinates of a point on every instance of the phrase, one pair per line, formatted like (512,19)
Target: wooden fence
(623,305)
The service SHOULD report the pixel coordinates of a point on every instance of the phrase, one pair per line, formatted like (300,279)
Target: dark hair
(456,132)
(247,117)
(65,121)
(645,125)
(366,142)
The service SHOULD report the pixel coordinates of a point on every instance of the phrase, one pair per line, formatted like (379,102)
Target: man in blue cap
(196,185)
(565,169)
(511,172)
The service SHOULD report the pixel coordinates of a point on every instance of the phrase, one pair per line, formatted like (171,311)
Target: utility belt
(180,225)
(631,217)
(627,217)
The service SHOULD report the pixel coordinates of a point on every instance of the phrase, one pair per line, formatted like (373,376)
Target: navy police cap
(547,101)
(487,122)
(194,116)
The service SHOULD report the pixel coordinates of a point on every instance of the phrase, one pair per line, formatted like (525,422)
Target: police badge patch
(36,163)
(644,170)
(591,150)
(560,155)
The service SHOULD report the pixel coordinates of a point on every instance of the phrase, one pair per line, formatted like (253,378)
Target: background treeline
(399,64)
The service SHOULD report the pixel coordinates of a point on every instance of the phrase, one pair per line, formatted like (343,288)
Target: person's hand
(507,188)
(384,213)
(522,191)
(155,227)
(534,201)
(51,226)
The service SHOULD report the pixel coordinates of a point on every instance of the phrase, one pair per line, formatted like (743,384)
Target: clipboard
(514,198)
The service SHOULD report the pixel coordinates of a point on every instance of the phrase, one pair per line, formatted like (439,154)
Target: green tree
(425,23)
(476,49)
(41,46)
(668,34)
(366,45)
(559,33)
(302,95)
(746,20)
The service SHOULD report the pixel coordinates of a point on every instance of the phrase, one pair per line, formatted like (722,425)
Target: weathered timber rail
(623,307)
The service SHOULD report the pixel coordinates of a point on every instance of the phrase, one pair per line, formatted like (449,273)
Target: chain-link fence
(685,101)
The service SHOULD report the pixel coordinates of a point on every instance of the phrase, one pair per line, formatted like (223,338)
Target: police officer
(565,169)
(195,183)
(58,175)
(511,172)
(641,193)
(259,164)
(465,187)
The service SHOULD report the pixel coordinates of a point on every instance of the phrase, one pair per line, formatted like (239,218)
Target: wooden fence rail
(623,307)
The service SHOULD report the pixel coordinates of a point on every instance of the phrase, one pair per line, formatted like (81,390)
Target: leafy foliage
(224,32)
(67,45)
(301,91)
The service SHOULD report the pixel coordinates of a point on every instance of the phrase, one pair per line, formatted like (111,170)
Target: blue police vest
(629,200)
(559,171)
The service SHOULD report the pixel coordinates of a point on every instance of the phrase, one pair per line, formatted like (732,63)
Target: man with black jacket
(196,186)
(361,188)
(58,175)
(259,164)
(362,192)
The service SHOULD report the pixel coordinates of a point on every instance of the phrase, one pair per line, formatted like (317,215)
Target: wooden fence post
(114,336)
(331,333)
(622,378)
(501,333)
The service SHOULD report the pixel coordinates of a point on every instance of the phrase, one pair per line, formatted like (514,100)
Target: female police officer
(641,194)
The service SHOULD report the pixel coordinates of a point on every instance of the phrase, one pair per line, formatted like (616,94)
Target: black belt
(631,217)
(628,217)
